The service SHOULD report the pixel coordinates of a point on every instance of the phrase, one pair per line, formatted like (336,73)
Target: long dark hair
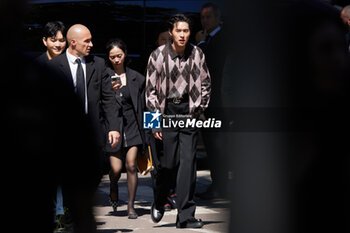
(116,42)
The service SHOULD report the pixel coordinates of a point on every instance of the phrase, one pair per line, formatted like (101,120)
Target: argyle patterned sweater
(171,76)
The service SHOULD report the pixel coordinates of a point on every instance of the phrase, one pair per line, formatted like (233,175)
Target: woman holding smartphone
(129,87)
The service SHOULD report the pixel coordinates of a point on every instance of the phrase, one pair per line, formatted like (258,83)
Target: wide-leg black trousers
(179,154)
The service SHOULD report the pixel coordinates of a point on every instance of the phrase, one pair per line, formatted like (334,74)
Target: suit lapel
(64,65)
(133,88)
(90,69)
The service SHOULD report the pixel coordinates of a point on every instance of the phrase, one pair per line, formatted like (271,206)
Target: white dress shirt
(73,65)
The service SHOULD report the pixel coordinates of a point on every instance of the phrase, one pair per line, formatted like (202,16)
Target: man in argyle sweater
(177,83)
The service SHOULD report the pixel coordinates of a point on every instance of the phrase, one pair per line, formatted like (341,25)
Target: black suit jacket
(215,56)
(102,105)
(136,85)
(42,59)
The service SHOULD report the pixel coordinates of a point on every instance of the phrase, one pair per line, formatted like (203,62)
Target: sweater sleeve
(152,77)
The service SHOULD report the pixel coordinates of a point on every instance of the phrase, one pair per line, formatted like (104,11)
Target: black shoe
(114,204)
(167,207)
(156,215)
(171,199)
(190,223)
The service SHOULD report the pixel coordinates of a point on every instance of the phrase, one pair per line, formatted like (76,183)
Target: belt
(178,100)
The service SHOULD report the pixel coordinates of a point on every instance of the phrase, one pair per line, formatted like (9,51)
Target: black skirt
(130,135)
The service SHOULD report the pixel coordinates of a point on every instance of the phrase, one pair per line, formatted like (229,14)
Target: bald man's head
(345,15)
(80,40)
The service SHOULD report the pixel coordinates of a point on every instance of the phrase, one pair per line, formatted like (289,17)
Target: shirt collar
(173,54)
(72,59)
(215,31)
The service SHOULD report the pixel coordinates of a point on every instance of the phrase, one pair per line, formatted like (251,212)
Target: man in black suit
(89,78)
(212,41)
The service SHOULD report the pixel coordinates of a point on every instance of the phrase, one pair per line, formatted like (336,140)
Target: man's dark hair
(178,18)
(214,6)
(51,29)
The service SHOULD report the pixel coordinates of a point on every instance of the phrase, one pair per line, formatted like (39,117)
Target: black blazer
(136,84)
(102,105)
(215,55)
(42,59)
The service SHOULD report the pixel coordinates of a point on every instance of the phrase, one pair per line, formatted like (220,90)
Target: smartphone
(115,78)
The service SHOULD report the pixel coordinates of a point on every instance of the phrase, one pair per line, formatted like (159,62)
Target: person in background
(163,38)
(186,92)
(210,17)
(129,87)
(214,45)
(54,41)
(345,16)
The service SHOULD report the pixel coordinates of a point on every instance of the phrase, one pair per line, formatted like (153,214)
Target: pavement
(214,213)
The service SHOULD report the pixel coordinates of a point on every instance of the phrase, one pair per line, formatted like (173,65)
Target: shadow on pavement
(113,230)
(123,213)
(174,225)
(214,203)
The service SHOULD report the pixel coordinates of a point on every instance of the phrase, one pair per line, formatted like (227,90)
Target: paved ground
(213,213)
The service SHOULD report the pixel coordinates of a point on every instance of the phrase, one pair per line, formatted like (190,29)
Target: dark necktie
(80,82)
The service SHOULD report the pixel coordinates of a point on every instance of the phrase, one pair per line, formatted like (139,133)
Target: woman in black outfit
(129,86)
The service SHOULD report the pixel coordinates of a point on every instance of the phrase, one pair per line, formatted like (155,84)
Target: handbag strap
(150,154)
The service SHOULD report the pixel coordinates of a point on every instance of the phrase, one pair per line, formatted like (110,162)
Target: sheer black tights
(114,175)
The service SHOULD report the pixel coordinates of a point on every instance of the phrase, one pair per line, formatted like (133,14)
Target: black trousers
(179,147)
